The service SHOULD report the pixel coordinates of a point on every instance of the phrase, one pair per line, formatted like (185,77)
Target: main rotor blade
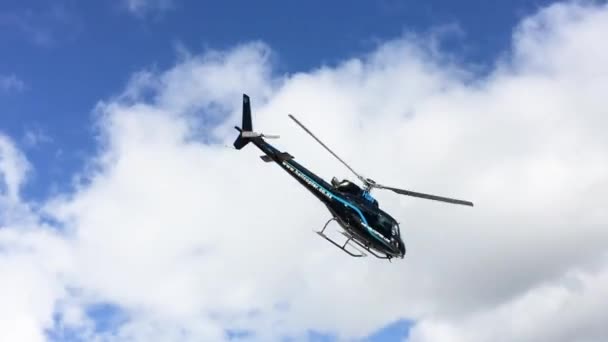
(327,148)
(426,196)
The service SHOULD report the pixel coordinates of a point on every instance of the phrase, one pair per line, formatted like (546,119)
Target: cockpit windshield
(386,223)
(381,221)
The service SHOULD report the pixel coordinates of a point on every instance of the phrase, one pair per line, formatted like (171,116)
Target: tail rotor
(246,133)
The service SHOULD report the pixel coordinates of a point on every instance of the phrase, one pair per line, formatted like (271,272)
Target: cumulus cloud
(32,257)
(568,308)
(187,239)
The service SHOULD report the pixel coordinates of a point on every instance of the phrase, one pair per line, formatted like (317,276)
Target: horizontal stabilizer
(284,156)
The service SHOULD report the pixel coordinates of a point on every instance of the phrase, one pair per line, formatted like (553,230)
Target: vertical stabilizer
(247,126)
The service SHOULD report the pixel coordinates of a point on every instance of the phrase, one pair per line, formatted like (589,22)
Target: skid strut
(343,246)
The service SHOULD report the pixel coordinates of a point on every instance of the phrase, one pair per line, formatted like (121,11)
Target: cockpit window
(381,221)
(385,222)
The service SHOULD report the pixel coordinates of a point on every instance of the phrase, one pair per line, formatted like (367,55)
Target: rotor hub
(368,183)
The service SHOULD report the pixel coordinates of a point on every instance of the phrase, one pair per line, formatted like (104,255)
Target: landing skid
(369,250)
(350,237)
(343,246)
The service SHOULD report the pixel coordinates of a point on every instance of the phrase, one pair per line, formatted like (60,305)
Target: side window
(378,222)
(372,219)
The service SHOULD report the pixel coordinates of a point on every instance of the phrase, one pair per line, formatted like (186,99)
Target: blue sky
(69,55)
(58,60)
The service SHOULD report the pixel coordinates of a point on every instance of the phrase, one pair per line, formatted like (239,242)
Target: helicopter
(367,228)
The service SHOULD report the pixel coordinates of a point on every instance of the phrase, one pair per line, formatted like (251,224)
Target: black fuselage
(360,217)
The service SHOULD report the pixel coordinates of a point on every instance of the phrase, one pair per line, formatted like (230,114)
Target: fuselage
(367,223)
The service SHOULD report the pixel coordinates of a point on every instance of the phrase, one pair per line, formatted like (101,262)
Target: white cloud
(33,263)
(191,238)
(569,308)
(140,7)
(33,259)
(10,83)
(13,168)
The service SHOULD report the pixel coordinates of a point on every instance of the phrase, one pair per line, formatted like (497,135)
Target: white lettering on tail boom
(308,180)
